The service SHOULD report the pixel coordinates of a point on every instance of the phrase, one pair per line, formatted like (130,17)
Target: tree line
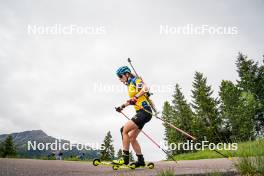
(235,115)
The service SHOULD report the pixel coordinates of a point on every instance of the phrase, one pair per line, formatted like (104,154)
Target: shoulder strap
(134,81)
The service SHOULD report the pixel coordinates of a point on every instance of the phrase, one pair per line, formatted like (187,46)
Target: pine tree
(9,148)
(229,97)
(247,71)
(229,108)
(167,115)
(108,153)
(184,116)
(259,117)
(171,135)
(1,149)
(183,112)
(131,157)
(237,108)
(205,107)
(251,79)
(119,153)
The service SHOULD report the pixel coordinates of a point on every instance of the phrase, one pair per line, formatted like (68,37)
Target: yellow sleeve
(139,83)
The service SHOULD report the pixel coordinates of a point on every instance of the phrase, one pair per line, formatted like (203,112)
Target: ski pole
(168,123)
(229,157)
(152,140)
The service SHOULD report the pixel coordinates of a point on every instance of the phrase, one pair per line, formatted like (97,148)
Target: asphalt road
(29,167)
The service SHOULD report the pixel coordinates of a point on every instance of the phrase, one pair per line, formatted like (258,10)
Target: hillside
(21,142)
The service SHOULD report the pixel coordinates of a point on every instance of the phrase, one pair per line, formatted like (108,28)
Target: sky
(61,82)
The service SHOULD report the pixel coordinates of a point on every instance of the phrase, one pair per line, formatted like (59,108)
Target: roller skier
(136,91)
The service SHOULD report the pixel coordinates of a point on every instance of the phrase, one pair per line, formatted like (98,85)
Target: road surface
(30,167)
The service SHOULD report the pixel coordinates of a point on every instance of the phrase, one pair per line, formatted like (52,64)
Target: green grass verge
(167,172)
(250,148)
(250,165)
(171,172)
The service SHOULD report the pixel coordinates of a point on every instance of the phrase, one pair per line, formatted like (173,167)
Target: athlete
(137,92)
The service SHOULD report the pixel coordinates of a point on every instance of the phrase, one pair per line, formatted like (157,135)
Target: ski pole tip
(128,59)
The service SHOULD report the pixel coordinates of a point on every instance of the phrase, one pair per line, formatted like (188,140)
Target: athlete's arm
(142,91)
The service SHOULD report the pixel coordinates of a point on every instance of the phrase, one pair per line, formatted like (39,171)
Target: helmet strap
(127,77)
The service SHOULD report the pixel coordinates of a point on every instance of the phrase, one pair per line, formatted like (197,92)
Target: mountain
(21,142)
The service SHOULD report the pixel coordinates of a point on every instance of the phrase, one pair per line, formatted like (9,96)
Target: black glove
(132,101)
(120,108)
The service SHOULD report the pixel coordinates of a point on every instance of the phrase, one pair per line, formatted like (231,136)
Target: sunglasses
(120,76)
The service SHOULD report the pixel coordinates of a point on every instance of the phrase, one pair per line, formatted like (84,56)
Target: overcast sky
(48,81)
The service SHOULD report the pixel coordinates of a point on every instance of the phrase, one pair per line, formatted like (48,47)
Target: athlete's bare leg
(129,126)
(133,140)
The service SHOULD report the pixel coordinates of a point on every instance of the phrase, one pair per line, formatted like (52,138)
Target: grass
(250,161)
(251,148)
(168,172)
(250,165)
(171,172)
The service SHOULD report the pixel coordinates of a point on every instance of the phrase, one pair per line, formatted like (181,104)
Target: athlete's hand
(132,101)
(120,108)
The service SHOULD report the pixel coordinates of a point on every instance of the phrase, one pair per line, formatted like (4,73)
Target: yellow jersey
(134,86)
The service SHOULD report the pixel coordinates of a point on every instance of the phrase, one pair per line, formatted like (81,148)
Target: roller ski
(117,166)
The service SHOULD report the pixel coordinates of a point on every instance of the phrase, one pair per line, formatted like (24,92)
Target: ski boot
(140,162)
(124,160)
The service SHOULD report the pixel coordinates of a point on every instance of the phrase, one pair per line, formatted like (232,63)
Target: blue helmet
(122,70)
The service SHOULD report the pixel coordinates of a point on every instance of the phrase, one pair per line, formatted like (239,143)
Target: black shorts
(142,117)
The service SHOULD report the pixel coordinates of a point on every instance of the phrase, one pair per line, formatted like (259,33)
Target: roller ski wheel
(115,167)
(96,162)
(132,166)
(150,165)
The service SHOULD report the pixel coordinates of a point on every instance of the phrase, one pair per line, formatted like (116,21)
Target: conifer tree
(251,79)
(183,112)
(108,153)
(8,148)
(171,136)
(119,153)
(205,107)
